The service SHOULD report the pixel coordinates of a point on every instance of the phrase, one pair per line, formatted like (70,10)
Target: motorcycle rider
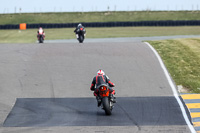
(98,80)
(40,31)
(77,30)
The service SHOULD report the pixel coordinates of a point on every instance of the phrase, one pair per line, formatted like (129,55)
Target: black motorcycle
(81,33)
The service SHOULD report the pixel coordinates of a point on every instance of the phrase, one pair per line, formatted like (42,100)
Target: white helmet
(100,72)
(79,25)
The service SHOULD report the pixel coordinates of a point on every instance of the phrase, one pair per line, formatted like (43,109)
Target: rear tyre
(106,105)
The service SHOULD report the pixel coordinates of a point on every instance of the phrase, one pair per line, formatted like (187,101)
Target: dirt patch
(182,89)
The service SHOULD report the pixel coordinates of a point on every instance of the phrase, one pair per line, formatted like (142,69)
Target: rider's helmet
(100,72)
(40,30)
(79,25)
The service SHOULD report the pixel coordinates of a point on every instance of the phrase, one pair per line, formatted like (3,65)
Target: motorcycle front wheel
(41,40)
(81,39)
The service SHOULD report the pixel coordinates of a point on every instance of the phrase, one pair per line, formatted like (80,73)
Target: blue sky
(14,6)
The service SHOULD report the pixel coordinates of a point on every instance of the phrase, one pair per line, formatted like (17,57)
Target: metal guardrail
(107,24)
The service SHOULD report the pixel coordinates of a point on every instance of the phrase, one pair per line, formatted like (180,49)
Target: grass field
(182,59)
(29,36)
(72,17)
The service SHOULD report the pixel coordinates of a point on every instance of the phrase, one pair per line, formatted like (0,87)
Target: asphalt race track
(45,88)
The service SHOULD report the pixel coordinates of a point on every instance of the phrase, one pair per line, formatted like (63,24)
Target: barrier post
(22,26)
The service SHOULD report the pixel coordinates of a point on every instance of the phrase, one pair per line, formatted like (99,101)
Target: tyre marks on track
(128,111)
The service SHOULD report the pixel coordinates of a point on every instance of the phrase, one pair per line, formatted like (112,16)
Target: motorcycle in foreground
(81,34)
(106,98)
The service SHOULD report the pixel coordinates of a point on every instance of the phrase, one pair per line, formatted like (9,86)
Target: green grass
(182,59)
(29,36)
(72,17)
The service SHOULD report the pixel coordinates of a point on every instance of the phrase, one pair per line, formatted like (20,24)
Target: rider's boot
(77,36)
(113,98)
(98,101)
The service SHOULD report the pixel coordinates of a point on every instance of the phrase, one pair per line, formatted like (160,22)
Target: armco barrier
(9,26)
(108,24)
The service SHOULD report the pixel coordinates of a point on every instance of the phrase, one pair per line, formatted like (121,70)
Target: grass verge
(182,59)
(29,36)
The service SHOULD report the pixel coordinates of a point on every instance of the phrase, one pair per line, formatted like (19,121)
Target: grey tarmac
(45,88)
(123,39)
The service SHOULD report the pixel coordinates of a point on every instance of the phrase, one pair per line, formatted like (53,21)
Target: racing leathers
(40,32)
(101,80)
(77,30)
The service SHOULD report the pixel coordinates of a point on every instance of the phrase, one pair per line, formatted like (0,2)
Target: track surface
(45,88)
(122,39)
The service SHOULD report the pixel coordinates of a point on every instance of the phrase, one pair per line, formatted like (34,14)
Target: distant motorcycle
(106,99)
(40,35)
(81,34)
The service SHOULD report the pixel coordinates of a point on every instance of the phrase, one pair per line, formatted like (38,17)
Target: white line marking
(173,89)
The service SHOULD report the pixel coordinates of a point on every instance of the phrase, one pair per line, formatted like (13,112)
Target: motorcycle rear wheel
(106,105)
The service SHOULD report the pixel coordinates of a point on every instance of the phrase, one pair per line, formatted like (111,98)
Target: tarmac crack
(128,116)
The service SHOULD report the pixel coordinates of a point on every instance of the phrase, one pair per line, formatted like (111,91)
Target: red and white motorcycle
(41,35)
